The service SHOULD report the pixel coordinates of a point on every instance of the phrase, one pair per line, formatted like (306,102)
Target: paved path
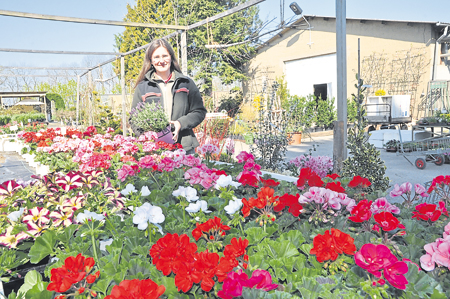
(398,169)
(13,166)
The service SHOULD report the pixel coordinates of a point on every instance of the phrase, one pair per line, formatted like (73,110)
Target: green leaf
(31,279)
(419,283)
(255,235)
(39,291)
(102,285)
(283,249)
(294,236)
(42,247)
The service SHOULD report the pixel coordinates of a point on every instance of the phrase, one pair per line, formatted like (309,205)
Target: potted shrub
(326,113)
(392,145)
(295,119)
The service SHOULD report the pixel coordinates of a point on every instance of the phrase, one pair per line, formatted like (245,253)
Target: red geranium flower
(73,271)
(291,201)
(236,252)
(387,221)
(131,289)
(361,212)
(213,229)
(205,266)
(264,202)
(344,242)
(171,251)
(248,179)
(269,183)
(335,186)
(360,182)
(309,176)
(439,181)
(333,176)
(329,246)
(430,212)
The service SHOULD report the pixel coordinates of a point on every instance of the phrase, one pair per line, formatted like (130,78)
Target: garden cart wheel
(439,160)
(420,163)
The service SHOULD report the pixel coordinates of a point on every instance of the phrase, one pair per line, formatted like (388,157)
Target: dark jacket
(187,107)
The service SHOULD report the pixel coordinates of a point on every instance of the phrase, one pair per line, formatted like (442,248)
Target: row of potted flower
(198,229)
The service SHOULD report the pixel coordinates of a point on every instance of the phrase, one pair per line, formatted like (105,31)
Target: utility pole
(340,127)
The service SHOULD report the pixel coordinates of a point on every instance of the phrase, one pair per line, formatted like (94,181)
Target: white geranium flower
(181,191)
(15,216)
(81,218)
(187,192)
(197,206)
(233,206)
(225,181)
(128,189)
(191,194)
(145,191)
(148,213)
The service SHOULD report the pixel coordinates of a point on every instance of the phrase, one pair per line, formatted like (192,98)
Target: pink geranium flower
(400,190)
(233,285)
(374,258)
(379,260)
(236,281)
(394,274)
(261,279)
(382,205)
(245,157)
(419,189)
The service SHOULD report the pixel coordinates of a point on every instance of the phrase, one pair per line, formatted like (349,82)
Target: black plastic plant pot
(16,282)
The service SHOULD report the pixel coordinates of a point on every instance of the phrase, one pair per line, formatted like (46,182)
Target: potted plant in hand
(151,117)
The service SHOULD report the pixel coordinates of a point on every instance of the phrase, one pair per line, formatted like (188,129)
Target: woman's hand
(177,126)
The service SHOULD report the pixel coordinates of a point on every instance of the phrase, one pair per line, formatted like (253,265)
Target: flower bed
(126,217)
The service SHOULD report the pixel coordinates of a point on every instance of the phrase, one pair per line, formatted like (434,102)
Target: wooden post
(122,85)
(184,67)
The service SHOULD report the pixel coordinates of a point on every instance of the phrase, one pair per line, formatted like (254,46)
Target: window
(320,91)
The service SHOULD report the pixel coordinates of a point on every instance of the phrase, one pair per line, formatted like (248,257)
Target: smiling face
(161,60)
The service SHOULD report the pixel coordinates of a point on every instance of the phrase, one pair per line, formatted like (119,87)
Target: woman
(161,80)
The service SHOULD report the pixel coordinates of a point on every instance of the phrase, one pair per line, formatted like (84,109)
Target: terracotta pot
(295,138)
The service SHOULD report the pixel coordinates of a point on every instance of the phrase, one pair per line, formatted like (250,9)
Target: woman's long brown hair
(147,65)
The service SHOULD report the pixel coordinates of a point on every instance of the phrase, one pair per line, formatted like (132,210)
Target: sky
(21,33)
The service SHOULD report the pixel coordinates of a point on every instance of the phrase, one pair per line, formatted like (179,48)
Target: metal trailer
(432,148)
(388,111)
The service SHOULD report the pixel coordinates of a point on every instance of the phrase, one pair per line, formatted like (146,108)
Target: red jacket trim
(183,89)
(148,94)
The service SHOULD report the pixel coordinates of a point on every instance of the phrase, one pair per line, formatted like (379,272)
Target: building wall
(297,44)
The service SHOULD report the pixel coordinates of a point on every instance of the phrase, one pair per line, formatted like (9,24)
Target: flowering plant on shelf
(149,117)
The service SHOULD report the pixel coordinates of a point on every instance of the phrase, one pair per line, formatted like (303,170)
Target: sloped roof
(300,20)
